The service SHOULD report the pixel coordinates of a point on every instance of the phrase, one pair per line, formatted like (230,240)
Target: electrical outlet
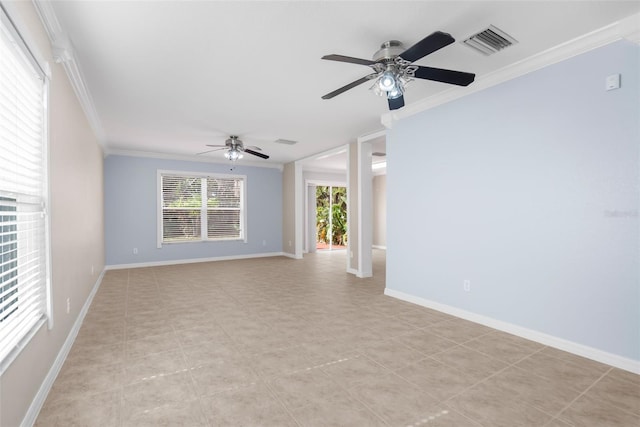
(264,243)
(68,305)
(135,251)
(92,270)
(466,285)
(350,254)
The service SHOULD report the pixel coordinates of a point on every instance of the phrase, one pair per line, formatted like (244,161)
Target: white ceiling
(169,77)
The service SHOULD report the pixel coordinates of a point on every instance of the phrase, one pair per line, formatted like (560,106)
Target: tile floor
(279,342)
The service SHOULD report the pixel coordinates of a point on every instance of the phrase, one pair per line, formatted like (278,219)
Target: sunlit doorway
(331,217)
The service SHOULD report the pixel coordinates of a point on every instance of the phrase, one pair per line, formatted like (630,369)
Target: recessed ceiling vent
(490,41)
(378,154)
(285,141)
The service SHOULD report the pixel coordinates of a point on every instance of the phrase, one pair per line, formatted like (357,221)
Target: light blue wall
(131,211)
(529,190)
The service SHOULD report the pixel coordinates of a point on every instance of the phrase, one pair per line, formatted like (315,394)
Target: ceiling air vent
(285,141)
(378,154)
(490,40)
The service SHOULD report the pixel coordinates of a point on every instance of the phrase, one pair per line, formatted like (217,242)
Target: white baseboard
(384,248)
(36,405)
(548,340)
(193,260)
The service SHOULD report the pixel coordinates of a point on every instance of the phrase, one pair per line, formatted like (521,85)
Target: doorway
(331,217)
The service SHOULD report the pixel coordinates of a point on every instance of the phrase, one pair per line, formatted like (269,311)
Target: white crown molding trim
(40,397)
(532,335)
(192,260)
(63,53)
(627,28)
(190,158)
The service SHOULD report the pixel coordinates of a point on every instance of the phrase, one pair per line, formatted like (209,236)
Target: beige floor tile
(475,365)
(588,411)
(96,410)
(306,387)
(437,379)
(578,372)
(74,382)
(140,347)
(548,395)
(391,354)
(425,342)
(492,406)
(158,391)
(253,405)
(93,356)
(394,399)
(183,414)
(353,369)
(264,341)
(341,413)
(154,365)
(223,374)
(504,347)
(460,330)
(618,392)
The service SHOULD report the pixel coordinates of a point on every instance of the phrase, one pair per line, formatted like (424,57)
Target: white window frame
(25,45)
(204,235)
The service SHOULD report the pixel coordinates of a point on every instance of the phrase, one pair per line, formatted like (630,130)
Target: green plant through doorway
(331,201)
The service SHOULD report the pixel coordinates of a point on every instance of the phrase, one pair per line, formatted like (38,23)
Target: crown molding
(63,53)
(627,28)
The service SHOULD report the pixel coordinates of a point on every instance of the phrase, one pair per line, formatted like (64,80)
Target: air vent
(490,41)
(285,141)
(378,154)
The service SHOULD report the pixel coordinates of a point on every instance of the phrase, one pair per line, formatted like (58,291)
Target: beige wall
(77,226)
(380,210)
(288,208)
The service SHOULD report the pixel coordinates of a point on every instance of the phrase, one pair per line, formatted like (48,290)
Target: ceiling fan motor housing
(389,50)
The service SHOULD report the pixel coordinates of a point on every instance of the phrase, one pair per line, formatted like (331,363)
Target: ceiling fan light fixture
(387,81)
(233,155)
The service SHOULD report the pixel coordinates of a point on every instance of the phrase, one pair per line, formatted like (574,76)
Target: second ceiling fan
(393,68)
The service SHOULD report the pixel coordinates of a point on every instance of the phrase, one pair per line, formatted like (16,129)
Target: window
(23,190)
(201,207)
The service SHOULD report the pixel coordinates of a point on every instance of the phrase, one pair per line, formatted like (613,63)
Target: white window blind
(201,208)
(23,184)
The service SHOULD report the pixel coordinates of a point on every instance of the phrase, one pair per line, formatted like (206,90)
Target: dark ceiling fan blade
(427,45)
(349,86)
(350,59)
(255,153)
(209,151)
(459,78)
(396,103)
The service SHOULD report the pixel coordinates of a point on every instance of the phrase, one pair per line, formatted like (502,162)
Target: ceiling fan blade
(350,59)
(209,151)
(253,147)
(349,86)
(459,78)
(396,103)
(255,153)
(427,45)
(216,145)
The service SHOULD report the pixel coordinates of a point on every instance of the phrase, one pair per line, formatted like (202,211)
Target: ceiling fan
(235,148)
(393,68)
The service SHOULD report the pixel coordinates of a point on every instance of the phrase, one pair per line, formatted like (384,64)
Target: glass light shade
(394,93)
(233,155)
(387,81)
